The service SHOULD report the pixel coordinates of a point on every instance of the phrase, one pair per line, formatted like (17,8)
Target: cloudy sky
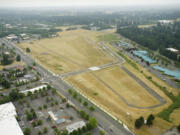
(33,3)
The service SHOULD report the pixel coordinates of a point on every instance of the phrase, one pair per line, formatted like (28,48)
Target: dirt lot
(70,51)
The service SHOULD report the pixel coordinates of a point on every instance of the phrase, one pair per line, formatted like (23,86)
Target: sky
(49,3)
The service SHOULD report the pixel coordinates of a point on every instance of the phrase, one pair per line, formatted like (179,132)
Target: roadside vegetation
(132,63)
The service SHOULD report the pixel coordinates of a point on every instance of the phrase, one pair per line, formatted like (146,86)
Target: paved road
(104,120)
(152,92)
(155,72)
(119,58)
(148,89)
(87,70)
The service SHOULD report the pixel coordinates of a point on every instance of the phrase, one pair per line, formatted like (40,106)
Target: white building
(12,37)
(165,21)
(55,118)
(172,50)
(7,110)
(10,126)
(75,126)
(8,122)
(34,89)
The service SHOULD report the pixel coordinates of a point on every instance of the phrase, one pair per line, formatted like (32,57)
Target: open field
(120,81)
(175,116)
(146,26)
(70,51)
(89,84)
(77,49)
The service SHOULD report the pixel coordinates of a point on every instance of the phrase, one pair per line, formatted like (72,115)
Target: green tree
(178,128)
(39,132)
(45,130)
(34,124)
(91,108)
(139,122)
(29,116)
(28,50)
(150,120)
(85,103)
(39,122)
(102,132)
(27,131)
(70,91)
(18,58)
(93,122)
(74,94)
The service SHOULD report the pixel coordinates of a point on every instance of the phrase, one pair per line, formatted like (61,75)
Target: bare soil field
(70,51)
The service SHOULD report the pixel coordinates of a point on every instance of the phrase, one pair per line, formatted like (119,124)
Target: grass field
(70,51)
(175,117)
(14,63)
(89,83)
(146,26)
(77,49)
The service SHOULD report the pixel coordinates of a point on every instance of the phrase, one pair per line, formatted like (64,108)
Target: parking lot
(42,103)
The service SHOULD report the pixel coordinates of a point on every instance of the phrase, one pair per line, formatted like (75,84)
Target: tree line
(156,38)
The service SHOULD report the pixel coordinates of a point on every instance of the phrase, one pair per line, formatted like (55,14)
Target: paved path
(87,70)
(148,89)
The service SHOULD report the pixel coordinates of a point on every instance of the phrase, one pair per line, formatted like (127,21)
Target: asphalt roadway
(111,126)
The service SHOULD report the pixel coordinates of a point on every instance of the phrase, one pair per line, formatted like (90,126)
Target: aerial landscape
(94,67)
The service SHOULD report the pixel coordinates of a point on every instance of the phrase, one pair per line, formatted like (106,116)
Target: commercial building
(8,122)
(7,110)
(55,118)
(10,126)
(75,126)
(34,89)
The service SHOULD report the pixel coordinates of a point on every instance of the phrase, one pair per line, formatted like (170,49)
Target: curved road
(147,88)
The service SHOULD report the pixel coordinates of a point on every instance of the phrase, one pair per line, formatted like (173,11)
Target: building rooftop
(75,126)
(10,126)
(34,89)
(8,122)
(55,118)
(52,115)
(7,110)
(172,49)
